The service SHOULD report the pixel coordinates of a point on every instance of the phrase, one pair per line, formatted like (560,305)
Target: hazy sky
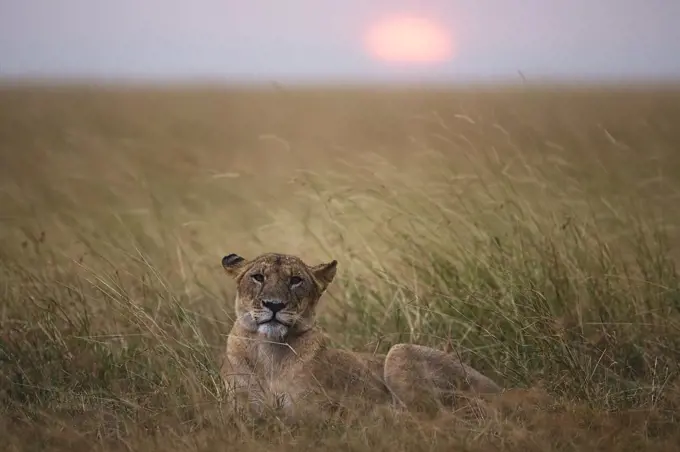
(280,39)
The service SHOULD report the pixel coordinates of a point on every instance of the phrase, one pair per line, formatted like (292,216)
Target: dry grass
(533,231)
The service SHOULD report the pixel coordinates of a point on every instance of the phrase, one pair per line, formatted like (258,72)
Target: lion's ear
(233,263)
(324,273)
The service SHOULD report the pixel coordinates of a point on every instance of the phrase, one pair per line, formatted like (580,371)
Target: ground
(532,230)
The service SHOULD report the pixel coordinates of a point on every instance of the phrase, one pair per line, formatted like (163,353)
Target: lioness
(276,356)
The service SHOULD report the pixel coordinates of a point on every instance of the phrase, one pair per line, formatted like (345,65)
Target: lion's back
(349,373)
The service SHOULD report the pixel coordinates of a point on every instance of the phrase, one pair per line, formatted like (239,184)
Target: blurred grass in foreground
(534,232)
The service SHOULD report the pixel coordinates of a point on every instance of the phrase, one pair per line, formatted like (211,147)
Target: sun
(409,39)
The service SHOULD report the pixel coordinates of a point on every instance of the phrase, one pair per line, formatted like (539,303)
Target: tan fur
(290,365)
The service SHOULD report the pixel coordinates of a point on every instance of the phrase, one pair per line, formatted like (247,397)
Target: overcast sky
(317,39)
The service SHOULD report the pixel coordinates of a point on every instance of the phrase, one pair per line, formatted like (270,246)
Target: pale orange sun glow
(409,39)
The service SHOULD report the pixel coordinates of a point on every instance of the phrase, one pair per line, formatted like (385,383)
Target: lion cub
(277,357)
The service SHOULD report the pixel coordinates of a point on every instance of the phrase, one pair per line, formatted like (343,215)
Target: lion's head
(277,294)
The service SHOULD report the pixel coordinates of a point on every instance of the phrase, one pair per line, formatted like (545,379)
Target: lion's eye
(295,281)
(259,277)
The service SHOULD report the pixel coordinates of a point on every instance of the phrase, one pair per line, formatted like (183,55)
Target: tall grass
(571,295)
(542,269)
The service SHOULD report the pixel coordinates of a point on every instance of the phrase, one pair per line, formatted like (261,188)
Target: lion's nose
(273,305)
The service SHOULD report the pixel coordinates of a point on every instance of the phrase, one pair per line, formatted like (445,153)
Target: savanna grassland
(532,231)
